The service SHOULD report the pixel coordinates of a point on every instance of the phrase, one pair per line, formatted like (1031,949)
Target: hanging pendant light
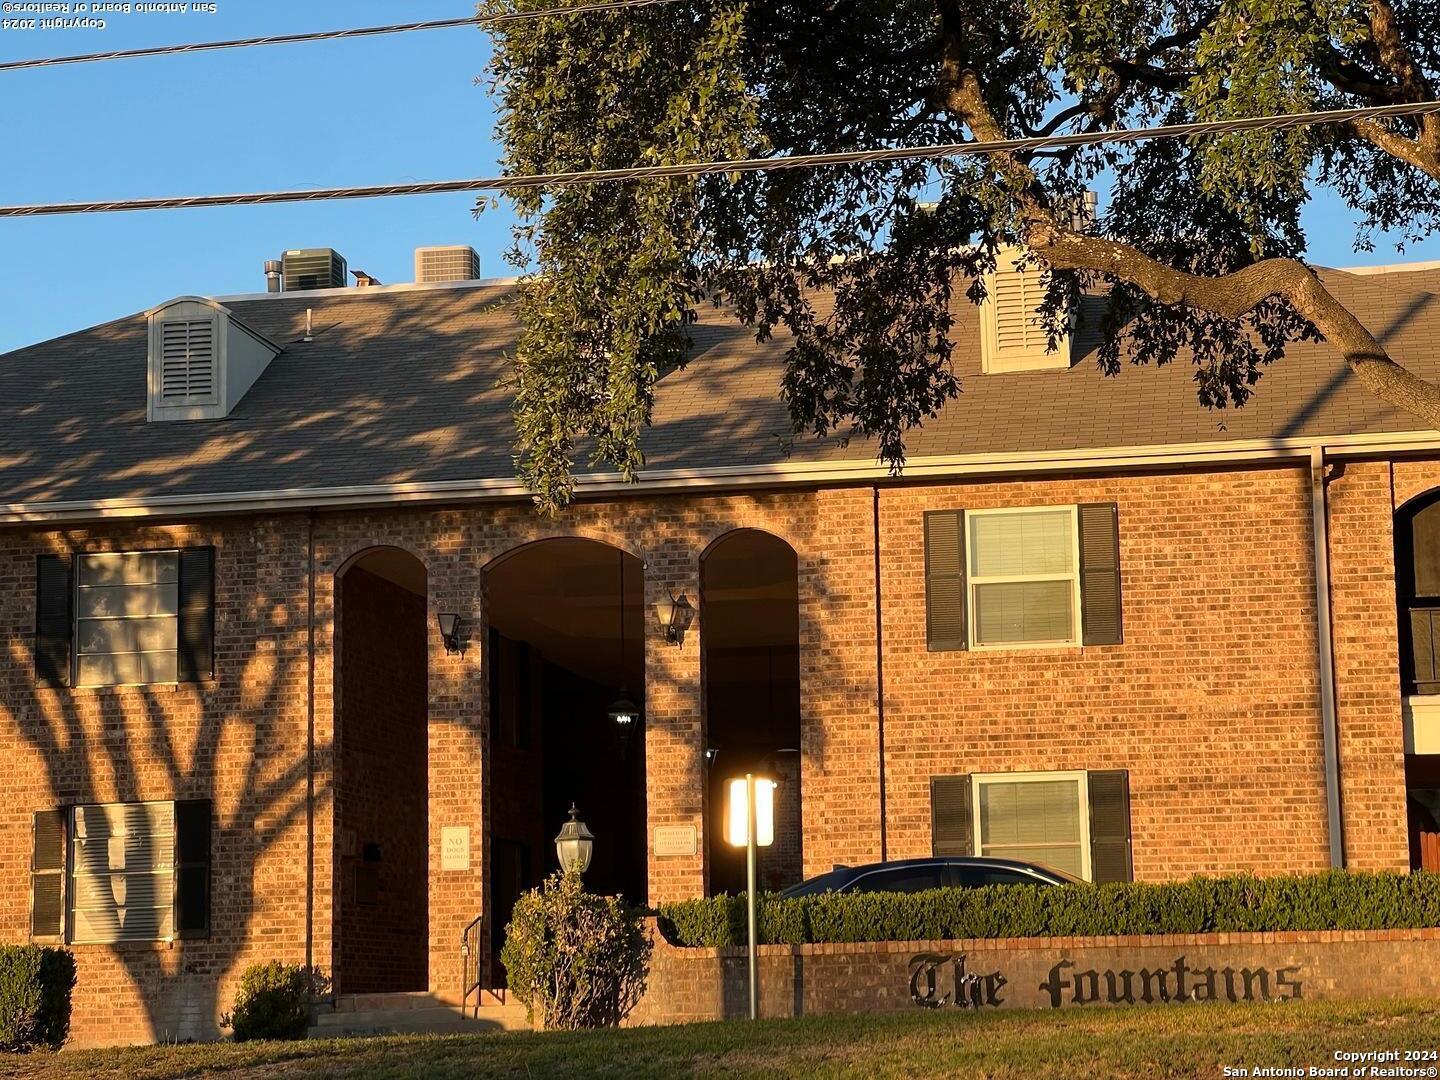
(623,712)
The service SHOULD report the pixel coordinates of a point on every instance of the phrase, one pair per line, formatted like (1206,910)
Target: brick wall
(380,805)
(1211,703)
(689,985)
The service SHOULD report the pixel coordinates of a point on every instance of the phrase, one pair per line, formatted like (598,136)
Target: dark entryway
(750,637)
(565,641)
(1417,590)
(381,785)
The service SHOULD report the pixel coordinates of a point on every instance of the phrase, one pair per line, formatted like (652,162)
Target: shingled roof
(406,386)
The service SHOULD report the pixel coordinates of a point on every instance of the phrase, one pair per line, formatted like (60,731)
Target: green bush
(581,959)
(274,1001)
(1335,900)
(35,985)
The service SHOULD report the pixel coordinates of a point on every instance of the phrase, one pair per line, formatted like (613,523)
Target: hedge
(35,985)
(1334,900)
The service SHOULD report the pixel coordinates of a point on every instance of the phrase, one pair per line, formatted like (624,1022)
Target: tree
(1200,246)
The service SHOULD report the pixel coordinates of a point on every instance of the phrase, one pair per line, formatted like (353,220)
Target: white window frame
(1082,782)
(71,891)
(76,619)
(972,580)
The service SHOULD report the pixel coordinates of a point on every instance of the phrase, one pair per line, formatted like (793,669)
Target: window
(125,618)
(1078,822)
(1034,817)
(128,871)
(1024,577)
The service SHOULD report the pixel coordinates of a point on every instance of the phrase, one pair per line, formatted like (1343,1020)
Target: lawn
(1163,1041)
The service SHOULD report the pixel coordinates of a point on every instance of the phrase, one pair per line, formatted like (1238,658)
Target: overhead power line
(1278,122)
(333,35)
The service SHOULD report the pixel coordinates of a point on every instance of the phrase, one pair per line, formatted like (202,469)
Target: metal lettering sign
(676,840)
(455,847)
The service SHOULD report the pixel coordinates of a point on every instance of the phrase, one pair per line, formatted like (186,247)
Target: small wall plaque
(455,847)
(676,840)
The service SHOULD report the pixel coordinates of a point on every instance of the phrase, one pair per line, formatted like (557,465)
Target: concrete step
(407,1014)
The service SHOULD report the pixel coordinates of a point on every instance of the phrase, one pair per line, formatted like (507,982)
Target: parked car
(937,872)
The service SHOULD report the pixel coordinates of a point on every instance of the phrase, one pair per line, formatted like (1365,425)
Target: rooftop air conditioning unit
(313,268)
(454,262)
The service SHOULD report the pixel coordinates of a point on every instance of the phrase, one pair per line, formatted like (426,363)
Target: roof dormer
(203,360)
(1012,338)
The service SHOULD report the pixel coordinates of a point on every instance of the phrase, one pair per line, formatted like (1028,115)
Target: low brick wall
(893,976)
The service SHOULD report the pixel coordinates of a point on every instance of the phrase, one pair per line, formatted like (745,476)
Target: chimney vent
(364,280)
(453,262)
(272,275)
(313,268)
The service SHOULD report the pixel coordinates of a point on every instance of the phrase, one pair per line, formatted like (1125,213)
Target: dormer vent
(1012,338)
(202,360)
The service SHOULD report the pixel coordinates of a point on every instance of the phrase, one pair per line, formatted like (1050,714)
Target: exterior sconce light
(674,615)
(711,753)
(575,844)
(450,630)
(625,715)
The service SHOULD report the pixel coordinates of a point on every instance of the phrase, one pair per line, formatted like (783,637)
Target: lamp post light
(574,844)
(750,822)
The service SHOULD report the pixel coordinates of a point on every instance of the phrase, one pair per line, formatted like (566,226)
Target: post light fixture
(711,753)
(674,614)
(450,630)
(750,822)
(574,844)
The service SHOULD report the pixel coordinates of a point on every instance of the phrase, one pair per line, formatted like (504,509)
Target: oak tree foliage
(1199,246)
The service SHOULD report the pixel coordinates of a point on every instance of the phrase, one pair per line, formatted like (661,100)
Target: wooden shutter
(945,579)
(196,659)
(1110,826)
(192,869)
(54,627)
(1100,574)
(47,876)
(952,816)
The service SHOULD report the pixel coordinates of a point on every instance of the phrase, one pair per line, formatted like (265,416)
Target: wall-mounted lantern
(711,753)
(674,615)
(450,630)
(575,844)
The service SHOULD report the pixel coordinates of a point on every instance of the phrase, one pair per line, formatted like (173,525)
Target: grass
(1161,1041)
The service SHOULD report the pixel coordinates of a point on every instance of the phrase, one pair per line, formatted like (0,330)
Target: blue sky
(377,110)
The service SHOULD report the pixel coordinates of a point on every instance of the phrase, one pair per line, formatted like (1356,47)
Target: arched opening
(1417,590)
(381,774)
(750,639)
(565,641)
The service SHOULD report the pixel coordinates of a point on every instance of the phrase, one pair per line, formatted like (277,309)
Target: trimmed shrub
(274,1001)
(1334,900)
(581,959)
(35,985)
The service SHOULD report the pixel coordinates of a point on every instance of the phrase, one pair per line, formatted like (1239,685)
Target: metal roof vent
(313,268)
(454,262)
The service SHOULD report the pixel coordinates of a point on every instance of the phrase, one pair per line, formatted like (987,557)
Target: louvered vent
(187,362)
(312,268)
(457,262)
(1014,339)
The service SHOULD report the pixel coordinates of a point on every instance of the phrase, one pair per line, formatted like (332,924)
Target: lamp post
(750,821)
(574,844)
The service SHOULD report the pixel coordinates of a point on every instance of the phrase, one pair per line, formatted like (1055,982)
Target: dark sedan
(938,872)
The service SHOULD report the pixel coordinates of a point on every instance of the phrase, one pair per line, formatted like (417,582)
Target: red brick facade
(1211,702)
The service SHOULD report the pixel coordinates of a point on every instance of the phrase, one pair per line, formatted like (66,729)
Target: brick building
(1092,624)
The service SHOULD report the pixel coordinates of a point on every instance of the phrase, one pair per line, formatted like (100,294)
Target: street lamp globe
(574,844)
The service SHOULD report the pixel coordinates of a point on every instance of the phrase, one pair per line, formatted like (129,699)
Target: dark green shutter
(1110,826)
(1100,574)
(54,627)
(192,869)
(952,816)
(945,579)
(196,660)
(47,876)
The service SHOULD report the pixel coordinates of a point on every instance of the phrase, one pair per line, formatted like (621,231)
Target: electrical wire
(1277,122)
(332,35)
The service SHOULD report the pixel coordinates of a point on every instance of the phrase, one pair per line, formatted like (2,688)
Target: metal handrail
(470,965)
